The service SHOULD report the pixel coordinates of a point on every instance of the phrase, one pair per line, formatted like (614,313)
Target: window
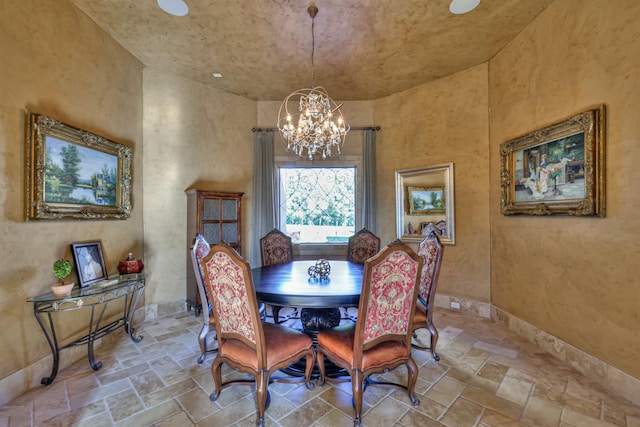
(317,204)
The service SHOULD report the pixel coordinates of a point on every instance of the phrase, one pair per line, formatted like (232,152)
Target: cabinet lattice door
(217,216)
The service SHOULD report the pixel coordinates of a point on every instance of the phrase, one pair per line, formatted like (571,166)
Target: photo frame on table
(424,200)
(74,174)
(89,260)
(556,170)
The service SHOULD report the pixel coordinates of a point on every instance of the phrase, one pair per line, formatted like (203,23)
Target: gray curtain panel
(368,216)
(263,192)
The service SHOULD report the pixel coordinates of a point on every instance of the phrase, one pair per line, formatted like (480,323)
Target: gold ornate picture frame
(74,174)
(556,170)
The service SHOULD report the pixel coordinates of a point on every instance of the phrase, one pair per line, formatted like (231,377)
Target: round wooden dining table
(319,299)
(290,285)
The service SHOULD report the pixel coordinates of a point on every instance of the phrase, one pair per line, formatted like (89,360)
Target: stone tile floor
(487,376)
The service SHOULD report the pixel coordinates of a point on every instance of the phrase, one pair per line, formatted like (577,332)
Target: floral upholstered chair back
(228,277)
(431,252)
(276,248)
(200,250)
(389,293)
(362,246)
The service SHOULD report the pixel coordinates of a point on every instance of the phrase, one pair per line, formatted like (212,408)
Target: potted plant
(62,269)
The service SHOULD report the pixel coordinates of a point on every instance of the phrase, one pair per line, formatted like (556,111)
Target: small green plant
(62,268)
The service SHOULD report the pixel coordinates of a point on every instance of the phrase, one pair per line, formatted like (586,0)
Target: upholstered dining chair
(380,339)
(362,246)
(245,342)
(430,250)
(199,250)
(276,248)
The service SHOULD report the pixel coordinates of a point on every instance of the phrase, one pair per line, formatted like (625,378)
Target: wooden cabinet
(217,216)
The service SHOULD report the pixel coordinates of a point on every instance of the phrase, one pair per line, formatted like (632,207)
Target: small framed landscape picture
(89,261)
(423,200)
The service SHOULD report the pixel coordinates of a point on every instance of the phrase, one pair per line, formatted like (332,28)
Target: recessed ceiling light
(458,7)
(217,75)
(174,7)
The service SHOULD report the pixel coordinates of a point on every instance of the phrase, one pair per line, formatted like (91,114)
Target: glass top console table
(94,297)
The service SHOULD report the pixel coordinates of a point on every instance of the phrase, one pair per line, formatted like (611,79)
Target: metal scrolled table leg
(53,344)
(92,337)
(128,316)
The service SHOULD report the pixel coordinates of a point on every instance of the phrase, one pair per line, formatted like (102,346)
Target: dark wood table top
(290,285)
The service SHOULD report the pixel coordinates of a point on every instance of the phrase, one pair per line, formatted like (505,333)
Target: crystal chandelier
(317,129)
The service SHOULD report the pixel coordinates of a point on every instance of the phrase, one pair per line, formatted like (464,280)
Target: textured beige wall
(195,137)
(57,62)
(440,122)
(576,278)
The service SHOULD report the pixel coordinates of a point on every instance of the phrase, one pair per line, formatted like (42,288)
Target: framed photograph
(424,200)
(89,261)
(74,174)
(556,170)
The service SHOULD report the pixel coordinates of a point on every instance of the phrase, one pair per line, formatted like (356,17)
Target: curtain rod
(374,128)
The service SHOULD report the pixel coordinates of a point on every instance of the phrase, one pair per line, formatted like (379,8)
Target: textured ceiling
(364,49)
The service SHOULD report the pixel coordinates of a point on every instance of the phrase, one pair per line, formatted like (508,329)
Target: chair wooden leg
(357,378)
(308,370)
(433,333)
(262,381)
(320,362)
(202,340)
(434,340)
(412,377)
(216,373)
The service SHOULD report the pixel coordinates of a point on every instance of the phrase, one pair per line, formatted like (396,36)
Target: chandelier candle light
(320,130)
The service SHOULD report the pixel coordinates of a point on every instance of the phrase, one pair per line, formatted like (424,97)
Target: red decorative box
(130,265)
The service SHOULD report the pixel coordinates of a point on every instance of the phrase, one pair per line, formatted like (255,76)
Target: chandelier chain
(313,49)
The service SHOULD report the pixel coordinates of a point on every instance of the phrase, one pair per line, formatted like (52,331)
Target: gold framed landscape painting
(74,174)
(556,170)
